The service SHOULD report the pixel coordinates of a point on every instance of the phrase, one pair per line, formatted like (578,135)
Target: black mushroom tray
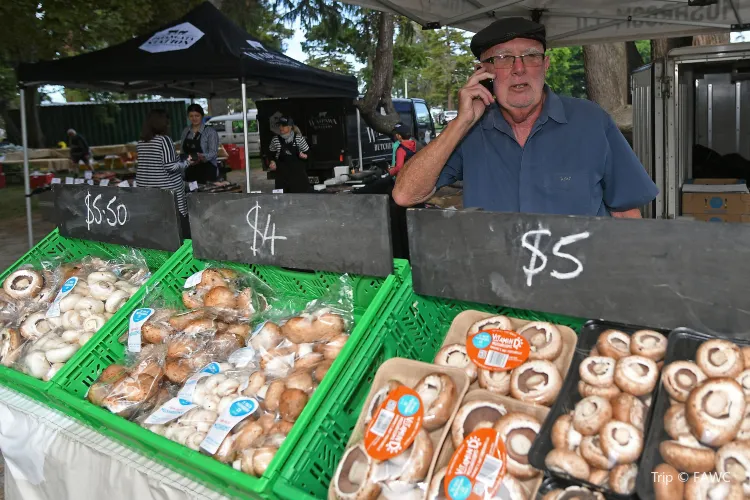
(569,397)
(683,346)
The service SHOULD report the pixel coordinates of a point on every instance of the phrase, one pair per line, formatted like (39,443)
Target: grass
(13,203)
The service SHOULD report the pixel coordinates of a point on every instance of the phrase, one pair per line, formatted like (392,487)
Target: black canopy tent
(202,54)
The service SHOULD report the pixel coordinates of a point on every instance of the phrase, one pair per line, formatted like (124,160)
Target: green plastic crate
(372,299)
(53,246)
(413,328)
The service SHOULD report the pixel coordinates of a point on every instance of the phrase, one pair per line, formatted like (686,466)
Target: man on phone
(519,147)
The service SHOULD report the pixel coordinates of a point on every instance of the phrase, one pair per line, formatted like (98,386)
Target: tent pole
(359,140)
(244,129)
(27,186)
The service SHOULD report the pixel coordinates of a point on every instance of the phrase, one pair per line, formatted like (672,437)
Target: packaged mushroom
(30,285)
(701,424)
(405,420)
(515,424)
(596,431)
(525,360)
(229,294)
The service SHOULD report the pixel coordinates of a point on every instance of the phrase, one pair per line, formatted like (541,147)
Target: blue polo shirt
(575,162)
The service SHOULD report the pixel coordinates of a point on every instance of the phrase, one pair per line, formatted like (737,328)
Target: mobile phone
(489,86)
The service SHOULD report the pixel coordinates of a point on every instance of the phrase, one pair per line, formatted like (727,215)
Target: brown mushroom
(598,371)
(314,328)
(497,382)
(332,348)
(675,422)
(719,358)
(629,409)
(404,473)
(714,411)
(492,323)
(536,382)
(181,321)
(587,390)
(591,451)
(439,396)
(708,487)
(649,344)
(211,278)
(545,340)
(614,344)
(455,355)
(734,459)
(681,377)
(353,477)
(599,477)
(472,416)
(591,414)
(379,397)
(23,284)
(636,375)
(567,462)
(622,479)
(272,398)
(564,434)
(667,483)
(220,297)
(518,431)
(687,455)
(744,380)
(178,370)
(621,442)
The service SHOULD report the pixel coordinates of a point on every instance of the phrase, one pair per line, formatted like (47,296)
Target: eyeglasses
(504,62)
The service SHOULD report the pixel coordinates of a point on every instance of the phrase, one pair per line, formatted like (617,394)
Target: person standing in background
(290,152)
(79,148)
(407,147)
(201,144)
(158,164)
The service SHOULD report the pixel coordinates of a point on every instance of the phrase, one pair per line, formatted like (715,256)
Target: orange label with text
(497,350)
(477,468)
(395,424)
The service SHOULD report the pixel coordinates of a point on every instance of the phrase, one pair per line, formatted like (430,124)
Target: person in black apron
(201,169)
(290,165)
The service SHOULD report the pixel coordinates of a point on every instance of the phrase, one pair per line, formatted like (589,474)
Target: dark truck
(330,127)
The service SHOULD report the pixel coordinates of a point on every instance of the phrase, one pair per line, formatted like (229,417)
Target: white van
(230,130)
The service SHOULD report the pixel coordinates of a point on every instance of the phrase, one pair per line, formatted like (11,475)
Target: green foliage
(644,48)
(258,18)
(566,74)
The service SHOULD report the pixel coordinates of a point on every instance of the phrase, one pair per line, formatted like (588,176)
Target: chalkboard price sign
(346,234)
(657,273)
(137,217)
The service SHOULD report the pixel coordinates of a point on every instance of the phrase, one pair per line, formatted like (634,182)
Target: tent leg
(244,129)
(359,139)
(27,186)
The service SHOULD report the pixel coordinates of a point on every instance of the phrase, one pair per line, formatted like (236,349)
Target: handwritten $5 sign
(395,424)
(99,213)
(477,467)
(537,256)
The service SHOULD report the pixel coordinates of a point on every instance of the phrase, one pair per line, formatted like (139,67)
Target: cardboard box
(715,203)
(721,217)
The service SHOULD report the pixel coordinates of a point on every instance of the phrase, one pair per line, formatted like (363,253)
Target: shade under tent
(202,54)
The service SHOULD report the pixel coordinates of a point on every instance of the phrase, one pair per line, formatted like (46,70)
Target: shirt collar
(552,108)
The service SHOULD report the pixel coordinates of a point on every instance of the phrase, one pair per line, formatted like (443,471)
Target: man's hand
(201,157)
(272,165)
(473,98)
(303,156)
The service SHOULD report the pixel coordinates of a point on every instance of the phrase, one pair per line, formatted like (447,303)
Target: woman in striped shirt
(290,149)
(158,165)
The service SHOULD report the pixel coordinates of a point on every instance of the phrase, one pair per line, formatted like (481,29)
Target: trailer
(692,105)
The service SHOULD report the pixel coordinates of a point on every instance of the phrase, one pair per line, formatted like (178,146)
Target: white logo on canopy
(180,37)
(257,51)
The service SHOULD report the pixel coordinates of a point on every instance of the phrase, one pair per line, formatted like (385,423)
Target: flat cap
(507,29)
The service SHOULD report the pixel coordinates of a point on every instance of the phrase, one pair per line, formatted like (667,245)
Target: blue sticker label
(69,284)
(459,488)
(212,368)
(716,202)
(141,315)
(408,405)
(244,407)
(185,402)
(482,340)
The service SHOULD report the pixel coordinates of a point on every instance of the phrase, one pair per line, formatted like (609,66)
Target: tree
(566,75)
(37,30)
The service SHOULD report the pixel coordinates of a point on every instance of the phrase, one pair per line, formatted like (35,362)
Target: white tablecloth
(49,456)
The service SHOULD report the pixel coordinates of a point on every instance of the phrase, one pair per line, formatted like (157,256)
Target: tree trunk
(12,129)
(715,39)
(661,46)
(606,75)
(379,91)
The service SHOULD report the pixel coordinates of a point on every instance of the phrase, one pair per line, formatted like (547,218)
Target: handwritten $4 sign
(477,467)
(497,350)
(395,424)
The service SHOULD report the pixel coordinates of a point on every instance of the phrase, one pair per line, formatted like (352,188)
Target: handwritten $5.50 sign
(111,213)
(538,257)
(252,218)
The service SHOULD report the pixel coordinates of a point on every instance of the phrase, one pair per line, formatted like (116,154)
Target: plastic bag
(228,294)
(137,386)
